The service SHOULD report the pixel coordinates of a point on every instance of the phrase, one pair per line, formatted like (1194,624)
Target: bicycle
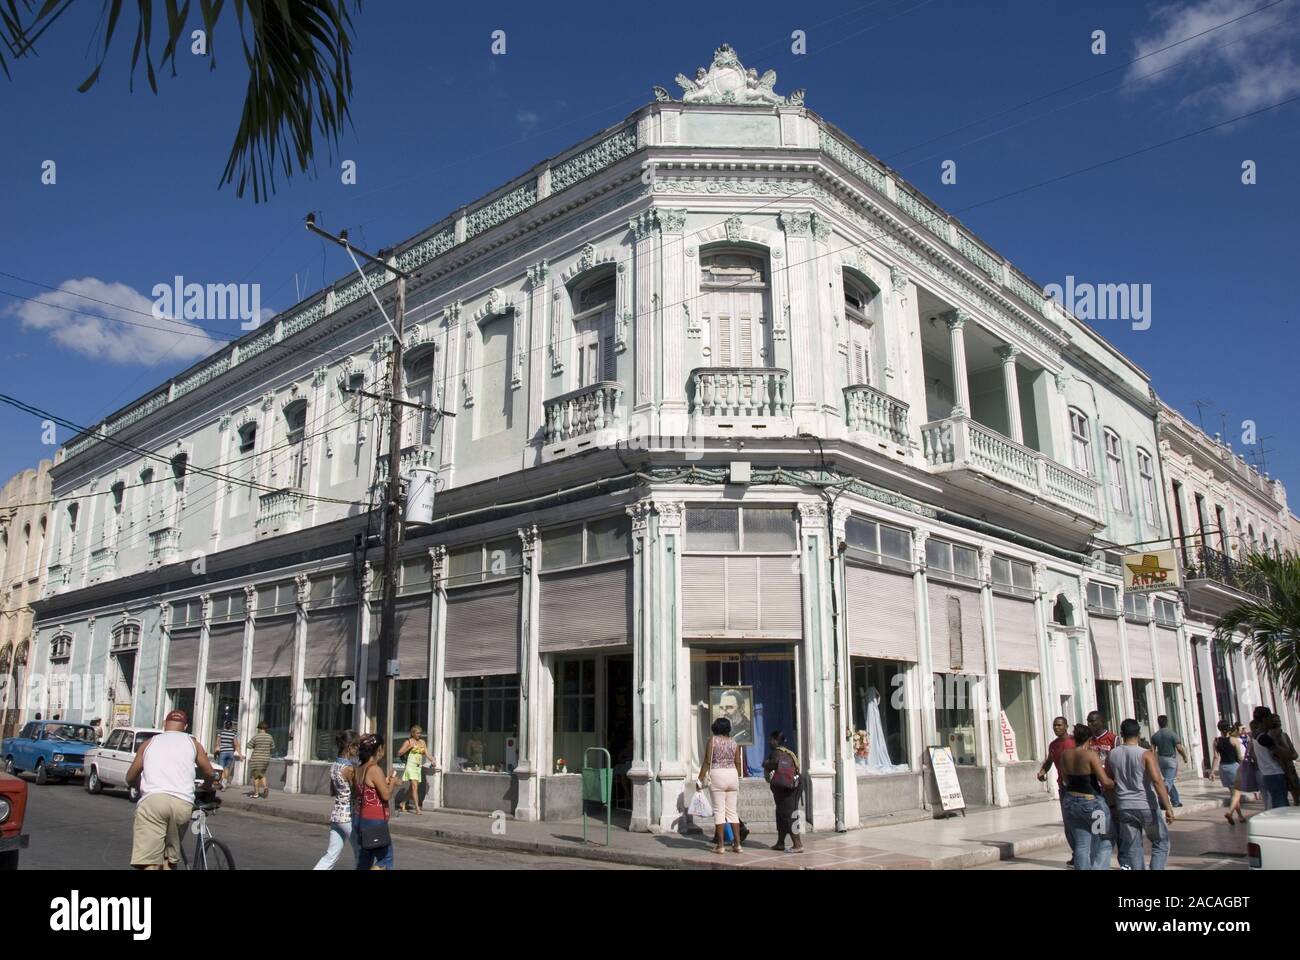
(209,852)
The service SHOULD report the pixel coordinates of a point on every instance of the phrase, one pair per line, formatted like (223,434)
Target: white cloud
(1234,69)
(527,119)
(143,338)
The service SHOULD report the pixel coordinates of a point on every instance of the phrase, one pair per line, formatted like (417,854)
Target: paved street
(70,829)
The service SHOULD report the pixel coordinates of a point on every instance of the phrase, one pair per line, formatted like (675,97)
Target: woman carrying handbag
(722,766)
(374,789)
(782,771)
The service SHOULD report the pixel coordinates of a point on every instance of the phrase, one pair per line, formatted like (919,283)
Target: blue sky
(438,121)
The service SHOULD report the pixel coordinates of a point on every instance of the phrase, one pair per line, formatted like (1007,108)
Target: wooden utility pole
(393,494)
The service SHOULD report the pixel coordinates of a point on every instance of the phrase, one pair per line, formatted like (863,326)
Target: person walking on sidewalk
(342,774)
(782,771)
(1087,816)
(1063,742)
(259,758)
(722,768)
(374,790)
(163,772)
(1273,750)
(1247,778)
(1168,749)
(413,753)
(1138,781)
(227,741)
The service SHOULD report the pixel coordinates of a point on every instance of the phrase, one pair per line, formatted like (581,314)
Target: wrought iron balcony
(582,412)
(1206,563)
(164,545)
(961,444)
(278,511)
(870,411)
(750,392)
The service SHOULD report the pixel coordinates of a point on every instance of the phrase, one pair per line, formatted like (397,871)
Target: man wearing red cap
(163,772)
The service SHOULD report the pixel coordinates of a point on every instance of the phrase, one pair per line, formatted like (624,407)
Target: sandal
(717,850)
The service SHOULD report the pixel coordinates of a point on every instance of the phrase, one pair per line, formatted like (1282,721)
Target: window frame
(741,546)
(950,573)
(1081,442)
(1100,608)
(1116,476)
(1147,481)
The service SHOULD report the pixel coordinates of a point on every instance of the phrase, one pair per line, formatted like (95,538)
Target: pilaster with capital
(645,230)
(667,698)
(817,674)
(453,341)
(202,718)
(673,252)
(992,688)
(801,298)
(645,624)
(538,302)
(441,717)
(529,772)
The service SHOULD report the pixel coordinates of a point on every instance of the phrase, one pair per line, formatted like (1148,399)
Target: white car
(107,764)
(1274,839)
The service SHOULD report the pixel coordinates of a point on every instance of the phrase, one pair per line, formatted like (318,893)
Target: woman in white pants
(722,765)
(342,772)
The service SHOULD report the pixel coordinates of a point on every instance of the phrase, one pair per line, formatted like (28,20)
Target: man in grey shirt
(1168,749)
(1138,782)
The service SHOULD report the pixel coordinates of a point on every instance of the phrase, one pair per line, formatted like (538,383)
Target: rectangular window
(181,698)
(879,711)
(1109,702)
(952,560)
(1080,442)
(410,707)
(765,701)
(227,607)
(1142,706)
(1135,607)
(609,539)
(880,541)
(276,598)
(1166,612)
(713,528)
(1147,478)
(330,716)
(465,564)
(417,575)
(275,708)
(332,589)
(504,558)
(768,530)
(575,712)
(1017,691)
(487,714)
(224,700)
(1174,706)
(562,547)
(954,712)
(1102,599)
(1115,479)
(1013,576)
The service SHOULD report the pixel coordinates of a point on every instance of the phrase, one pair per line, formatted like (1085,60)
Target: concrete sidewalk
(982,837)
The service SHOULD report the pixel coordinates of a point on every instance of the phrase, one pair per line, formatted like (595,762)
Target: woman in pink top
(722,766)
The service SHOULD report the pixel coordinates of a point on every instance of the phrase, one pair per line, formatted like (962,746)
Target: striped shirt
(226,740)
(260,748)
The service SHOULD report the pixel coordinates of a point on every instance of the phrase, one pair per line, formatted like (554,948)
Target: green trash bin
(597,787)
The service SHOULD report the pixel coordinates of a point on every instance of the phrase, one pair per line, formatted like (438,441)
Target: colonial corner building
(735,407)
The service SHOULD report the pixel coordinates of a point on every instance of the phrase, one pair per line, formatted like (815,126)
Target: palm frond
(1270,625)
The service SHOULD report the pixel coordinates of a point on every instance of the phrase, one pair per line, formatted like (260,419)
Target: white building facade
(736,408)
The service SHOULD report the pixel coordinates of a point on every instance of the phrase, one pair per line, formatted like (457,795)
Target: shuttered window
(183,658)
(881,614)
(956,629)
(1167,651)
(1141,660)
(273,647)
(586,607)
(225,652)
(411,620)
(483,630)
(1016,635)
(1105,644)
(331,643)
(741,594)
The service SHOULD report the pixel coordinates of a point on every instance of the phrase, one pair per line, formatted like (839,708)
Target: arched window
(146,494)
(1081,441)
(248,438)
(593,329)
(420,388)
(735,307)
(857,314)
(61,648)
(295,422)
(1241,540)
(1147,478)
(27,549)
(1250,536)
(1115,479)
(1063,611)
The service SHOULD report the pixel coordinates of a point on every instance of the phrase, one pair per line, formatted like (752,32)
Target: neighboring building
(1223,510)
(735,407)
(24,519)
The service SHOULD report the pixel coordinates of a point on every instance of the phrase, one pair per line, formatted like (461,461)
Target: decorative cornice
(727,81)
(644,224)
(538,273)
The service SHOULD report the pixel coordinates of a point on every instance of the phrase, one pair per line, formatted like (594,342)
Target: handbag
(700,806)
(1248,775)
(374,834)
(786,774)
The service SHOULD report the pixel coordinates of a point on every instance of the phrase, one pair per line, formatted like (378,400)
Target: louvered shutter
(413,618)
(1141,658)
(955,619)
(746,324)
(225,652)
(780,596)
(609,360)
(1015,633)
(585,608)
(273,647)
(1171,670)
(183,658)
(881,614)
(1105,644)
(742,594)
(704,594)
(483,630)
(724,336)
(331,643)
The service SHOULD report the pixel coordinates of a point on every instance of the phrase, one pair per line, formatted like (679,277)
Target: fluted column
(1012,383)
(960,387)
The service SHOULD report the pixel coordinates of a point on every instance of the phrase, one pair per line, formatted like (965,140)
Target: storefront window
(487,714)
(575,712)
(410,707)
(954,712)
(878,712)
(181,698)
(1017,692)
(754,689)
(330,716)
(224,698)
(1142,706)
(1109,703)
(274,709)
(1174,706)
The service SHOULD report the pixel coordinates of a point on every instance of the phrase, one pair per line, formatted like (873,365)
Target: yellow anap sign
(1151,571)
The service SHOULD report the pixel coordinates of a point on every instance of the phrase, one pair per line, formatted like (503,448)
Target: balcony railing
(1206,563)
(102,563)
(868,410)
(740,392)
(164,545)
(57,577)
(278,510)
(583,411)
(417,455)
(960,443)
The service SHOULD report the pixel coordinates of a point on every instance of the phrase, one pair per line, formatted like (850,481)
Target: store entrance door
(618,725)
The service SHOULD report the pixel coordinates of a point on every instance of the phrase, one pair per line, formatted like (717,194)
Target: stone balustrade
(164,545)
(740,392)
(278,510)
(583,411)
(102,563)
(868,410)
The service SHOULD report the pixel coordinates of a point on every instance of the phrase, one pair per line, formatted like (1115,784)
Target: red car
(13,802)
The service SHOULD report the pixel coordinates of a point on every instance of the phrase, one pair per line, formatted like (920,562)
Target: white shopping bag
(700,806)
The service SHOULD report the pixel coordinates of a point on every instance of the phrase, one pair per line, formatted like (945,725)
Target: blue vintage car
(51,749)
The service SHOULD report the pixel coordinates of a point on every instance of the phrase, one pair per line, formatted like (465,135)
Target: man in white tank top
(163,771)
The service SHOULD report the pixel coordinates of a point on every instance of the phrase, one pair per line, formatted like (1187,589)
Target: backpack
(786,774)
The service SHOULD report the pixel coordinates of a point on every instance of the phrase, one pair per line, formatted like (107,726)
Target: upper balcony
(279,511)
(103,563)
(876,417)
(164,545)
(747,401)
(415,455)
(972,454)
(582,419)
(1216,583)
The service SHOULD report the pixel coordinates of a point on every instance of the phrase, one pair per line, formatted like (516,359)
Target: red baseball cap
(176,716)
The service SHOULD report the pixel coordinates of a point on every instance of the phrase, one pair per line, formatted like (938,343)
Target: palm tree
(298,54)
(1271,622)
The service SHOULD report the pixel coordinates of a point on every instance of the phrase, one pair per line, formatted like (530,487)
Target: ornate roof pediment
(728,81)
